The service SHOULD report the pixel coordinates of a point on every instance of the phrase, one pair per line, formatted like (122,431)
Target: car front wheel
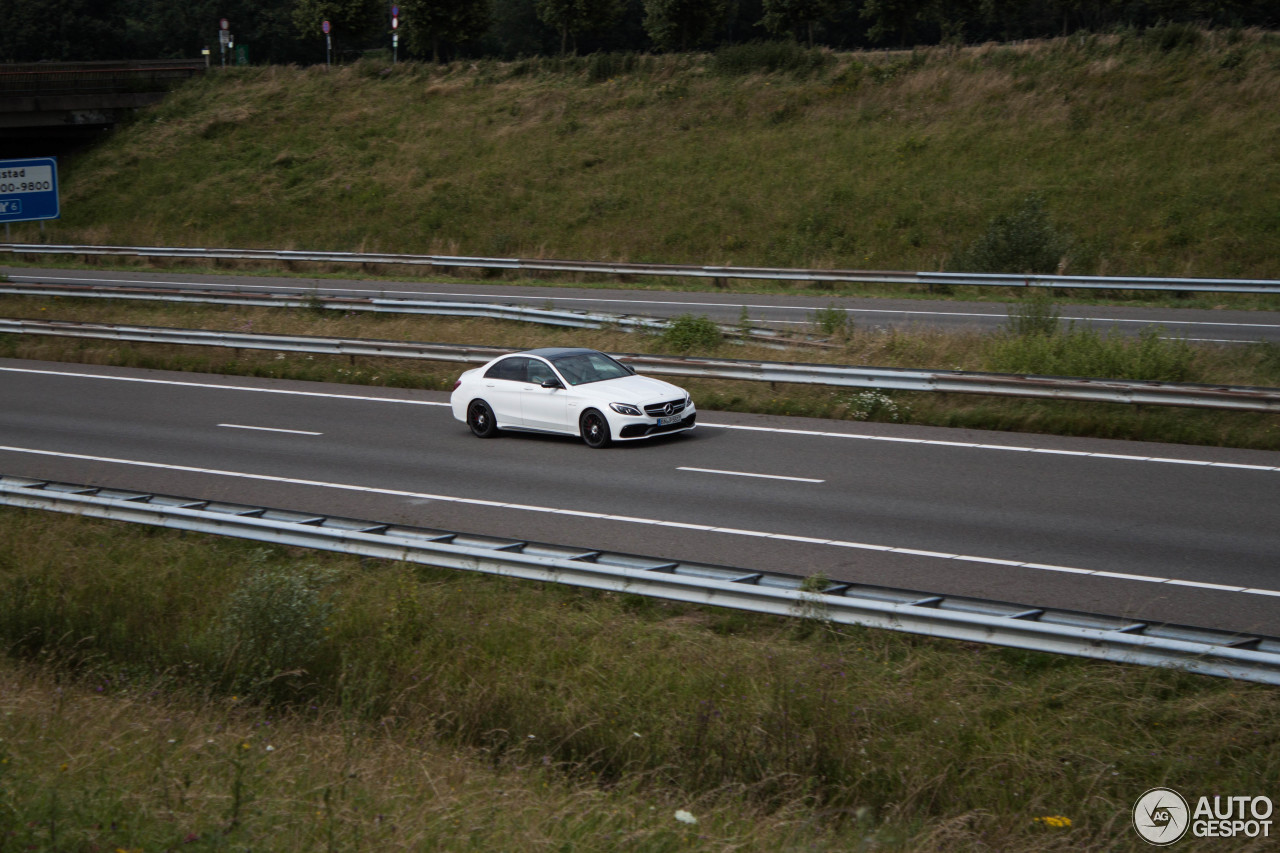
(480,419)
(595,429)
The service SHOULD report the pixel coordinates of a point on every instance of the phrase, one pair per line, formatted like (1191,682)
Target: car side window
(539,372)
(513,369)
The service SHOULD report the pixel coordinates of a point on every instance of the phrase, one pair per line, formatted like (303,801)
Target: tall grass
(1155,161)
(772,730)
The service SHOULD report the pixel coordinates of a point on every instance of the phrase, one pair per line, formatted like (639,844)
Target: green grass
(407,706)
(1147,162)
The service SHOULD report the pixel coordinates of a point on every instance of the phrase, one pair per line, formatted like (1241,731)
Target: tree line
(289,31)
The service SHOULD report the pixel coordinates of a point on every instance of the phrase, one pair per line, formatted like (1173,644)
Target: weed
(832,321)
(688,333)
(1086,352)
(875,405)
(1034,314)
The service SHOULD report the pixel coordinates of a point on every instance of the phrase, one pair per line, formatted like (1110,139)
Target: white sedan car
(571,391)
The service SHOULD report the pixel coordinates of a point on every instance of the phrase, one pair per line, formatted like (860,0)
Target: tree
(430,24)
(572,17)
(681,24)
(796,16)
(352,22)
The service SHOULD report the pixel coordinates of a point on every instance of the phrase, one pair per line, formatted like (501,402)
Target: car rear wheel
(480,419)
(595,429)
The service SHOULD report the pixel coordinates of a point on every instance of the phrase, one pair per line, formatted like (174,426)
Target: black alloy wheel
(480,419)
(595,429)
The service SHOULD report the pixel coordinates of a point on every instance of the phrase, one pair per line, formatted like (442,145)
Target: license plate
(670,419)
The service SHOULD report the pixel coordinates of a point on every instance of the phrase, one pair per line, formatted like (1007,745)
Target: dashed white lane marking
(655,522)
(748,474)
(1168,460)
(271,429)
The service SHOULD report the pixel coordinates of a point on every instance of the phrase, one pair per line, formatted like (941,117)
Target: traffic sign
(325,26)
(29,189)
(224,24)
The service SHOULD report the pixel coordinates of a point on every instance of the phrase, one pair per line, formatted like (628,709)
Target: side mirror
(551,383)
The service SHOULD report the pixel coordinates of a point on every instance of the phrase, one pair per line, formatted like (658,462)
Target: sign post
(328,42)
(395,35)
(28,191)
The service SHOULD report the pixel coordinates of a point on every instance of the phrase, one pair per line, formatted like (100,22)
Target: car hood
(631,389)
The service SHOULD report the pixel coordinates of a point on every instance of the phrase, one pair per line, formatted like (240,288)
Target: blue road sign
(29,189)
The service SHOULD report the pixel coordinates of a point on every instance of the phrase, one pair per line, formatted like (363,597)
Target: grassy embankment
(235,695)
(1152,156)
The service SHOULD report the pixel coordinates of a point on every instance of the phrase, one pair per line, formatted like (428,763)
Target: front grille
(639,430)
(661,410)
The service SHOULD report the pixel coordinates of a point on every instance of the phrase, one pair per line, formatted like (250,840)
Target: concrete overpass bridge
(50,107)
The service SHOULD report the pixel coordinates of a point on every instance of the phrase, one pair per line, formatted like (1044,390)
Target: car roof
(555,352)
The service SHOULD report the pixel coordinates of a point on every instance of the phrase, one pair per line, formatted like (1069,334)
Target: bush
(1023,241)
(687,333)
(767,57)
(275,624)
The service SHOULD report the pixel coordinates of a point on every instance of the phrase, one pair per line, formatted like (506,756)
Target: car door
(544,408)
(503,386)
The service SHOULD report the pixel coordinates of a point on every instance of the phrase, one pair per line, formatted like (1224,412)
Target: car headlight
(625,409)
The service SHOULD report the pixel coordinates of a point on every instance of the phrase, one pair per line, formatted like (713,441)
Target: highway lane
(1029,519)
(780,310)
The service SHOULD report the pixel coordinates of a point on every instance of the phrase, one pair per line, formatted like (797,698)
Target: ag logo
(1161,816)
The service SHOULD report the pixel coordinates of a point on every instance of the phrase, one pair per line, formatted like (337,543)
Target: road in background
(1151,532)
(784,311)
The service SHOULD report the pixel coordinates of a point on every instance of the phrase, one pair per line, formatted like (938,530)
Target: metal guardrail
(1209,652)
(929,279)
(493,311)
(1236,398)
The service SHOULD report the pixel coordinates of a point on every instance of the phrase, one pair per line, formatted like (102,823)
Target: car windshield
(583,367)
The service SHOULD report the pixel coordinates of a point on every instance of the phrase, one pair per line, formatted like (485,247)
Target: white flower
(684,817)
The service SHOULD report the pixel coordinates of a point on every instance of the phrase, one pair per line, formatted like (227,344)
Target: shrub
(767,57)
(274,624)
(687,332)
(1023,241)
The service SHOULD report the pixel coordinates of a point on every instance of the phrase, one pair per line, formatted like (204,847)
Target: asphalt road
(779,310)
(1152,532)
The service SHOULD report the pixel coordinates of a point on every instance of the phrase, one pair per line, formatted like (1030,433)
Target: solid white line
(599,516)
(781,431)
(1121,457)
(271,429)
(746,474)
(217,387)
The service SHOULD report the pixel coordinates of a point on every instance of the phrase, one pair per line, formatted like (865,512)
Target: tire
(481,420)
(594,428)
